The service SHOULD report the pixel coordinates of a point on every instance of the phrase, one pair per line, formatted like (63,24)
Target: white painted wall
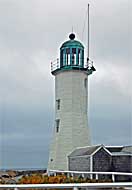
(73,132)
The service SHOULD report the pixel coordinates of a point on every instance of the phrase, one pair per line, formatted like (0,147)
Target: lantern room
(72,53)
(72,58)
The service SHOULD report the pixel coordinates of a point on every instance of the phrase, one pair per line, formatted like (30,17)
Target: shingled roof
(113,149)
(84,151)
(127,149)
(120,150)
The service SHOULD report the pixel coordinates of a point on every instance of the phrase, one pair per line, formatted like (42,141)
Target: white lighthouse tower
(71,103)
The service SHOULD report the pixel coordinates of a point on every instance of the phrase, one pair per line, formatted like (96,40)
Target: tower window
(79,57)
(73,56)
(61,58)
(85,82)
(58,104)
(68,56)
(57,125)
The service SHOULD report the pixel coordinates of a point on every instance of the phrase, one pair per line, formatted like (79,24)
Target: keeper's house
(102,159)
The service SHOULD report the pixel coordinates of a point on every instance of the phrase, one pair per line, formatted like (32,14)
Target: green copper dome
(72,43)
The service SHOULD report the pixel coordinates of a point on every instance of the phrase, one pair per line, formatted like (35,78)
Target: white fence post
(48,172)
(96,176)
(75,188)
(113,177)
(91,176)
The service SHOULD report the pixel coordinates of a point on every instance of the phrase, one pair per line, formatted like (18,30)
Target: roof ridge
(112,146)
(89,146)
(127,146)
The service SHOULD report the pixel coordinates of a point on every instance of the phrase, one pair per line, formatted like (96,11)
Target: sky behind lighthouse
(31,33)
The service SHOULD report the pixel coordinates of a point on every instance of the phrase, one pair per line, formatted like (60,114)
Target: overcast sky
(31,32)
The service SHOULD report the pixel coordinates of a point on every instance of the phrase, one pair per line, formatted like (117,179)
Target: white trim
(114,146)
(102,146)
(96,150)
(88,146)
(129,154)
(91,166)
(80,172)
(70,185)
(78,156)
(91,163)
(107,150)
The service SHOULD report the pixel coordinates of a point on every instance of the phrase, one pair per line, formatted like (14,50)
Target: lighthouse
(71,129)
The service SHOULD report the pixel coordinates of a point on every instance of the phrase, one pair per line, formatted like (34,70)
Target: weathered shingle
(84,151)
(113,149)
(121,150)
(127,149)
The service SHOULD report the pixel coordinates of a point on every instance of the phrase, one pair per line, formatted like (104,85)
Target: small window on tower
(58,104)
(85,82)
(57,125)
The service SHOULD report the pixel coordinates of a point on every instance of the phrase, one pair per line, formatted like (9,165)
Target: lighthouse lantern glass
(72,54)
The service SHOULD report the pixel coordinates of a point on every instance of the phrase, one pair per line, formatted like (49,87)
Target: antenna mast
(88,37)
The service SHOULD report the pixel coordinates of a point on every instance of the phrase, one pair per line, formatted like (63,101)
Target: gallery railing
(56,65)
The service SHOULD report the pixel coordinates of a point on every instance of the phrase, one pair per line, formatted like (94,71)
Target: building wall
(79,163)
(72,90)
(102,161)
(122,163)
